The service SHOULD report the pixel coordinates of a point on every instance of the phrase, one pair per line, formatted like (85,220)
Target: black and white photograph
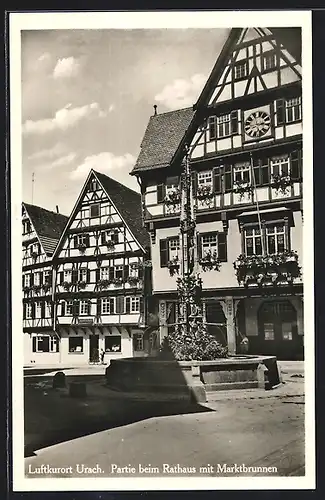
(162,250)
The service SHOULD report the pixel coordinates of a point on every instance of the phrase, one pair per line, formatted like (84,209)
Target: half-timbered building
(41,230)
(101,275)
(244,135)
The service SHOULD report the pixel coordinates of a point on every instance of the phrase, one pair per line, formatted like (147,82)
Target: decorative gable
(258,61)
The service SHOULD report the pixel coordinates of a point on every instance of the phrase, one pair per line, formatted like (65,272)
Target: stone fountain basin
(192,379)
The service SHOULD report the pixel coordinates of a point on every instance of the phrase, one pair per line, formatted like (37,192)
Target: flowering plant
(82,247)
(204,191)
(81,285)
(67,285)
(242,187)
(103,284)
(210,261)
(110,244)
(173,265)
(173,197)
(281,183)
(133,280)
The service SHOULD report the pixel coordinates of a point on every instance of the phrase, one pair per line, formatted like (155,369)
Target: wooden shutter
(111,272)
(40,278)
(234,121)
(140,271)
(126,271)
(111,306)
(31,279)
(141,304)
(87,240)
(75,308)
(97,275)
(103,238)
(33,310)
(256,172)
(89,308)
(62,308)
(24,311)
(217,186)
(161,193)
(99,306)
(61,277)
(127,305)
(227,178)
(120,304)
(222,247)
(280,111)
(199,245)
(115,236)
(88,276)
(34,343)
(74,275)
(295,165)
(75,241)
(163,245)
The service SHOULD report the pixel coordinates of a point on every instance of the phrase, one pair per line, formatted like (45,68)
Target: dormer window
(26,226)
(269,60)
(95,210)
(240,70)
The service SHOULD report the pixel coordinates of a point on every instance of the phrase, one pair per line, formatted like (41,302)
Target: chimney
(57,209)
(155,108)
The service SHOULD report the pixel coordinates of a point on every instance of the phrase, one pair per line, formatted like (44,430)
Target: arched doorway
(278,331)
(214,314)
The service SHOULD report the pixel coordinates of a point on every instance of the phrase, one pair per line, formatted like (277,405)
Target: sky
(87,96)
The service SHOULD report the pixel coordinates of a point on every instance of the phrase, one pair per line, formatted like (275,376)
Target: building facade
(244,136)
(102,277)
(41,230)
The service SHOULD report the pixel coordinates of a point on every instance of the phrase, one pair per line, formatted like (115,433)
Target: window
(110,235)
(29,310)
(84,213)
(253,241)
(119,271)
(26,227)
(26,280)
(269,61)
(95,210)
(293,109)
(107,305)
(47,277)
(112,343)
(134,270)
(69,307)
(76,344)
(288,110)
(240,70)
(287,331)
(280,166)
(275,239)
(81,240)
(173,244)
(241,172)
(209,243)
(37,279)
(93,185)
(213,242)
(223,125)
(45,343)
(38,310)
(169,248)
(172,184)
(34,249)
(82,275)
(67,275)
(138,343)
(269,331)
(104,273)
(84,308)
(204,178)
(134,304)
(261,171)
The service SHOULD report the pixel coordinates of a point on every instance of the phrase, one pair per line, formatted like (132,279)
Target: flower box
(210,261)
(67,285)
(103,284)
(243,188)
(110,245)
(81,285)
(266,270)
(281,183)
(82,247)
(204,192)
(173,266)
(133,280)
(173,197)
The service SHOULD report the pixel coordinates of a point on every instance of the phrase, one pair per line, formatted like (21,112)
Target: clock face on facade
(257,124)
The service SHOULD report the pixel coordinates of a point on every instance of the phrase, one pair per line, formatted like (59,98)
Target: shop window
(113,343)
(45,343)
(76,344)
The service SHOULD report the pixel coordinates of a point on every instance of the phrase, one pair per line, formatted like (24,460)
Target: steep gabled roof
(167,133)
(161,139)
(48,226)
(128,204)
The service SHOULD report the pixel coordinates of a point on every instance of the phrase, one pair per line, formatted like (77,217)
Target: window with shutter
(161,193)
(295,168)
(163,244)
